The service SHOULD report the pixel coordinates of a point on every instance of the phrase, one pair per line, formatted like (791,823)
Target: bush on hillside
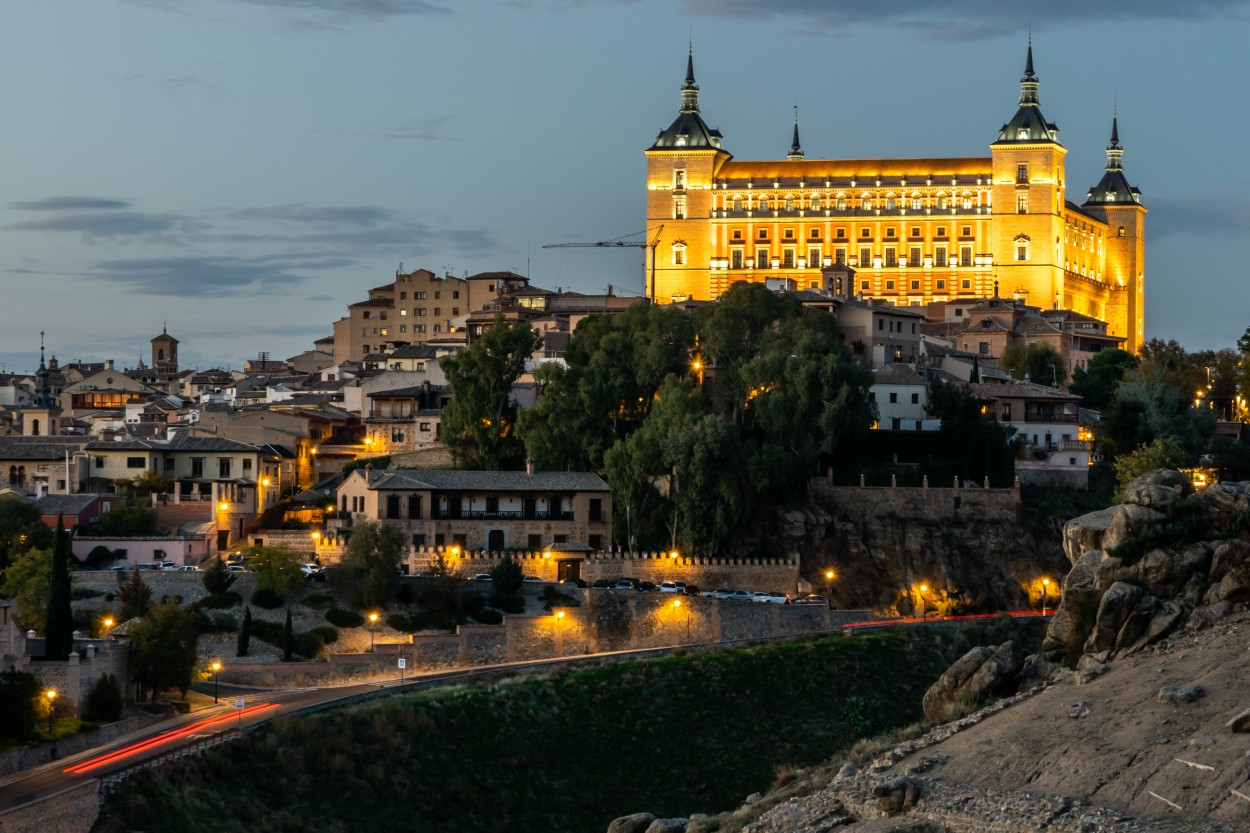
(343,618)
(488,616)
(220,601)
(266,598)
(104,703)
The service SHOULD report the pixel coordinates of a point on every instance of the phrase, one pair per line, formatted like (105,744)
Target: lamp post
(216,666)
(677,606)
(51,695)
(107,624)
(373,621)
(1045,594)
(829,587)
(924,588)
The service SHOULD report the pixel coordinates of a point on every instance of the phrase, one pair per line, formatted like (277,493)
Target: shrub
(217,580)
(508,604)
(220,601)
(100,556)
(399,622)
(80,593)
(317,601)
(488,617)
(310,643)
(553,598)
(266,598)
(343,618)
(104,703)
(215,623)
(433,620)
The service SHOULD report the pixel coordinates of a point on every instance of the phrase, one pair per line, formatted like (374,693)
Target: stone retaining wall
(937,504)
(16,760)
(73,810)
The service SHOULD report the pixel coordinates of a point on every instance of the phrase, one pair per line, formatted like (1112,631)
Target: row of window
(889,259)
(224,464)
(865,233)
(419,312)
(741,205)
(422,295)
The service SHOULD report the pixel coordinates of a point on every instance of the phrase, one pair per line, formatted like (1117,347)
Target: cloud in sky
(104,225)
(335,9)
(71,204)
(950,19)
(197,276)
(423,130)
(1200,216)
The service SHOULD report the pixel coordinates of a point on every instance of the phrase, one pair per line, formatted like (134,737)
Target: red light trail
(164,737)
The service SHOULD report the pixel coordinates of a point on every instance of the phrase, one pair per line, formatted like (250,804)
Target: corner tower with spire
(1028,201)
(1118,204)
(681,169)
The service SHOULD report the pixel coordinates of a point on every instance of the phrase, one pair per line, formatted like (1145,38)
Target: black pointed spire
(1028,81)
(690,90)
(1115,153)
(1115,130)
(1028,63)
(796,149)
(1028,125)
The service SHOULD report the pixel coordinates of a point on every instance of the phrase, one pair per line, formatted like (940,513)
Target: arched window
(1119,232)
(34,428)
(737,205)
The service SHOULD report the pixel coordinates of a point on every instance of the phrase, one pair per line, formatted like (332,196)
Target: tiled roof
(373,302)
(1018,390)
(38,448)
(489,481)
(64,504)
(897,373)
(189,444)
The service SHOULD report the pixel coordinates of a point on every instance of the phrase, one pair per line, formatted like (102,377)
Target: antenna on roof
(400,269)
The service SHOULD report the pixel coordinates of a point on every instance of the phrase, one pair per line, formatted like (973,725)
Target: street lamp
(1045,593)
(829,575)
(107,624)
(216,666)
(677,606)
(924,588)
(373,621)
(51,695)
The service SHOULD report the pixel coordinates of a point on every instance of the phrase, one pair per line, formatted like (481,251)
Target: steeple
(1114,187)
(796,150)
(1028,125)
(689,130)
(690,90)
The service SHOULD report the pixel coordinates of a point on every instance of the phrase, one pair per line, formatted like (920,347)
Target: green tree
(133,593)
(59,636)
(163,649)
(288,638)
(19,705)
(1041,363)
(142,486)
(1098,381)
(28,582)
(981,448)
(479,424)
(1164,394)
(507,576)
(370,563)
(245,633)
(278,569)
(1161,453)
(104,702)
(217,579)
(613,368)
(128,520)
(21,529)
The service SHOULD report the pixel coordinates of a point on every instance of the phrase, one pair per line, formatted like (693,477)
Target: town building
(916,230)
(482,510)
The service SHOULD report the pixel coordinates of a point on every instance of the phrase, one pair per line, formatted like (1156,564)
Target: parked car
(236,568)
(532,580)
(648,587)
(481,577)
(575,582)
(811,599)
(627,584)
(718,593)
(602,584)
(310,569)
(737,596)
(185,568)
(770,598)
(672,586)
(691,590)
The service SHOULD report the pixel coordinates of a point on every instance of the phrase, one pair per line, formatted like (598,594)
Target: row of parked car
(765,597)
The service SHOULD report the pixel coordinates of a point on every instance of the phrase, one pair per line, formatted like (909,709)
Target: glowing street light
(1045,593)
(924,588)
(50,694)
(829,577)
(373,621)
(215,667)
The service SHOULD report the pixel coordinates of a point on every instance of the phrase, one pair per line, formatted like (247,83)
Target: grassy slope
(570,752)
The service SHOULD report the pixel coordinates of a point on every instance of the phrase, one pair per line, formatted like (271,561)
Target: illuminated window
(679,255)
(1022,173)
(679,179)
(679,208)
(1022,203)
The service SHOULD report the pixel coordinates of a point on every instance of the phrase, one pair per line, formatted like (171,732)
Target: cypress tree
(59,636)
(288,638)
(245,632)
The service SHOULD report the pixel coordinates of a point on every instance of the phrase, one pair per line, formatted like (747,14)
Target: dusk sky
(244,169)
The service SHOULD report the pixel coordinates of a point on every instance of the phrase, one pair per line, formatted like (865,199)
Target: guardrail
(199,746)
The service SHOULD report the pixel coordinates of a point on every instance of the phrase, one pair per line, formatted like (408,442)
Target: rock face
(973,678)
(1163,558)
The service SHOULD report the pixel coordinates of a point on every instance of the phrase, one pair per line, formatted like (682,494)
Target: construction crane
(622,243)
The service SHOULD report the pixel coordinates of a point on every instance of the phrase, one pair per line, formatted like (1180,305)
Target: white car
(235,568)
(186,568)
(738,596)
(672,586)
(771,598)
(310,569)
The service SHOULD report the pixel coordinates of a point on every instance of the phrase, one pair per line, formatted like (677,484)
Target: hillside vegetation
(564,752)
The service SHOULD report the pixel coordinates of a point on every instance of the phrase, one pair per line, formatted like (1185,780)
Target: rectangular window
(891,257)
(403,296)
(865,258)
(247,465)
(839,256)
(983,348)
(492,504)
(419,312)
(1022,252)
(813,258)
(418,296)
(941,284)
(939,256)
(438,311)
(392,507)
(1022,203)
(679,257)
(99,462)
(679,208)
(893,397)
(437,294)
(889,284)
(787,258)
(455,295)
(134,462)
(913,256)
(915,284)
(967,284)
(596,509)
(915,399)
(761,258)
(965,255)
(679,179)
(863,285)
(1022,173)
(735,259)
(223,466)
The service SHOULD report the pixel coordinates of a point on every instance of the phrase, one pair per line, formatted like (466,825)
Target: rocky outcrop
(1195,567)
(977,675)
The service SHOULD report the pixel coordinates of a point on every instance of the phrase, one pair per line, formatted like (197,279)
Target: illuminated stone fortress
(913,230)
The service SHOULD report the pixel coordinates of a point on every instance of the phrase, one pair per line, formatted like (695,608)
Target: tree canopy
(371,563)
(479,424)
(1039,362)
(21,529)
(1098,382)
(163,649)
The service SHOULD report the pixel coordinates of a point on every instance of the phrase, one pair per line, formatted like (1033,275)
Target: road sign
(238,703)
(403,663)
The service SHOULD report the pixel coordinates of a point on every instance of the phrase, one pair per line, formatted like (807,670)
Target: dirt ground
(1130,744)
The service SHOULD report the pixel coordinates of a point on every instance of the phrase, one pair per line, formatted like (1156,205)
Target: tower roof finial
(796,149)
